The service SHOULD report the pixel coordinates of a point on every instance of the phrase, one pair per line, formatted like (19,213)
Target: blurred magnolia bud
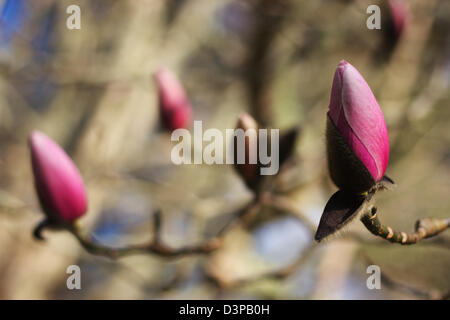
(398,15)
(357,137)
(58,183)
(174,107)
(395,16)
(249,170)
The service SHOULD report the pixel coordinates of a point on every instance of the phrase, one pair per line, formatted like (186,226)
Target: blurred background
(92,91)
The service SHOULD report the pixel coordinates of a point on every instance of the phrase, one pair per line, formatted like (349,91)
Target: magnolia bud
(398,15)
(248,171)
(395,15)
(357,137)
(58,183)
(174,107)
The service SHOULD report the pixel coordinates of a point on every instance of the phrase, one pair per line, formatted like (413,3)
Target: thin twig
(424,228)
(276,274)
(396,285)
(269,18)
(285,204)
(152,247)
(156,245)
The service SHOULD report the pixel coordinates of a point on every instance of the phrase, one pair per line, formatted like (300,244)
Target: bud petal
(357,117)
(174,106)
(58,183)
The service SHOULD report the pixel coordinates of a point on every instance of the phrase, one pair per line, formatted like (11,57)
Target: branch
(424,228)
(275,274)
(393,284)
(285,204)
(258,68)
(156,246)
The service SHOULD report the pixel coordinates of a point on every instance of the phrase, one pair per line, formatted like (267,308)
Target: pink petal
(357,115)
(58,182)
(174,105)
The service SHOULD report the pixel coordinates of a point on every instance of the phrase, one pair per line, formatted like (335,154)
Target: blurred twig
(283,203)
(156,245)
(270,15)
(393,284)
(277,274)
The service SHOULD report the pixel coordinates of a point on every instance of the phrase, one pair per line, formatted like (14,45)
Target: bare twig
(285,204)
(424,228)
(156,245)
(270,15)
(153,247)
(242,216)
(286,271)
(393,284)
(276,274)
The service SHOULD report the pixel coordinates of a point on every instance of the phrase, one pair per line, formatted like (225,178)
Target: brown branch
(286,271)
(396,285)
(242,216)
(276,274)
(285,204)
(269,17)
(156,246)
(153,247)
(424,228)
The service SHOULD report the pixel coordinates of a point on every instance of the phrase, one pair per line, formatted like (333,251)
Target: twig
(390,282)
(242,216)
(276,274)
(156,246)
(441,243)
(269,18)
(285,204)
(152,247)
(290,268)
(424,228)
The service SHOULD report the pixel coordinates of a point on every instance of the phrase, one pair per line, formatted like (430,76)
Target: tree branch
(393,284)
(275,274)
(424,228)
(285,204)
(156,245)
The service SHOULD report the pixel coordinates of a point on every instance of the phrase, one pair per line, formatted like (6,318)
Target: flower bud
(398,14)
(249,171)
(395,15)
(357,137)
(174,107)
(58,183)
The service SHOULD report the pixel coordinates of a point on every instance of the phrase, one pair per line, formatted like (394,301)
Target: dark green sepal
(346,170)
(340,210)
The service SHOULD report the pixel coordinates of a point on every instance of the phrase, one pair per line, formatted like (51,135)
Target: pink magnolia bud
(357,137)
(58,183)
(174,106)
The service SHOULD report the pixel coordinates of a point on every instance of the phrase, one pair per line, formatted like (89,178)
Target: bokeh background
(92,91)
